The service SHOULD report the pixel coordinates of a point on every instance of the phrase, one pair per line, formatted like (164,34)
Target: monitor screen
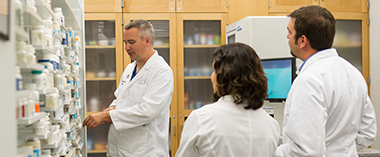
(280,73)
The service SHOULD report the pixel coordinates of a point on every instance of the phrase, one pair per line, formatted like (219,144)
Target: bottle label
(19,84)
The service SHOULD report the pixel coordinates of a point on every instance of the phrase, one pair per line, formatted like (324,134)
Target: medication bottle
(18,79)
(56,28)
(58,80)
(48,24)
(69,35)
(30,56)
(69,81)
(38,35)
(35,95)
(77,40)
(21,53)
(74,93)
(36,143)
(45,153)
(58,13)
(38,79)
(48,38)
(21,108)
(76,81)
(19,12)
(39,128)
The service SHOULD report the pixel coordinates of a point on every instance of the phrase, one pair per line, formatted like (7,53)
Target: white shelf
(63,29)
(51,108)
(28,121)
(65,117)
(43,49)
(32,18)
(46,91)
(44,10)
(74,4)
(57,37)
(52,146)
(70,19)
(21,35)
(23,93)
(32,66)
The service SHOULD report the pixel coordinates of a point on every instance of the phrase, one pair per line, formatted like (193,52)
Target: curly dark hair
(239,73)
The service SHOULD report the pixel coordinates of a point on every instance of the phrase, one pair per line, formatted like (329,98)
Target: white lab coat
(328,111)
(141,117)
(224,129)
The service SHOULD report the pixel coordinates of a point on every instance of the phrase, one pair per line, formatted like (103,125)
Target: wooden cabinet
(287,6)
(156,6)
(102,6)
(198,36)
(201,6)
(150,6)
(104,66)
(352,6)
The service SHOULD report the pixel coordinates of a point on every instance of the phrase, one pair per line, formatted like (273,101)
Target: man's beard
(291,52)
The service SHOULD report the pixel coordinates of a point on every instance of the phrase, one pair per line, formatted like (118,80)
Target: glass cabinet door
(199,35)
(100,77)
(348,41)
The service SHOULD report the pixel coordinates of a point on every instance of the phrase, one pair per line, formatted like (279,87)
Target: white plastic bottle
(35,96)
(56,28)
(30,55)
(58,80)
(48,38)
(21,53)
(19,13)
(38,35)
(18,79)
(58,13)
(36,143)
(48,24)
(38,79)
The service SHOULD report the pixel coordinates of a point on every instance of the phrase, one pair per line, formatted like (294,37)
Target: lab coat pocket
(135,139)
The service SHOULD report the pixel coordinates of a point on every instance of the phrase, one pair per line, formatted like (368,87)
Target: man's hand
(109,108)
(96,119)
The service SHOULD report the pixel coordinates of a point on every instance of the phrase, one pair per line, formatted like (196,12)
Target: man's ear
(304,41)
(148,41)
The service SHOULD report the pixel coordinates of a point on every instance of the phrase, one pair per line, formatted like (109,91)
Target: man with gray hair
(139,116)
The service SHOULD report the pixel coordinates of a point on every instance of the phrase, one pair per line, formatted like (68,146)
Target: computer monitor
(280,73)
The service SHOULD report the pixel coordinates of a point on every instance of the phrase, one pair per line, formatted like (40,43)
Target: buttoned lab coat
(141,117)
(224,129)
(328,111)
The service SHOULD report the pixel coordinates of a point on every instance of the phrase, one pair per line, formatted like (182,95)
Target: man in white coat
(139,115)
(328,111)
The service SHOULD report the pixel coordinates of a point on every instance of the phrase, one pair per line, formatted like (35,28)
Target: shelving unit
(72,11)
(100,47)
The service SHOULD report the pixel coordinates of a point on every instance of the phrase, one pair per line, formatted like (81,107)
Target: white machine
(267,36)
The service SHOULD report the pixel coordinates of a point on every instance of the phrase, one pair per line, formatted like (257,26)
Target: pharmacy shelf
(44,10)
(66,150)
(70,19)
(43,49)
(74,4)
(23,93)
(65,117)
(32,66)
(21,35)
(55,145)
(46,91)
(67,47)
(32,18)
(51,108)
(100,46)
(57,37)
(22,152)
(101,79)
(28,121)
(161,46)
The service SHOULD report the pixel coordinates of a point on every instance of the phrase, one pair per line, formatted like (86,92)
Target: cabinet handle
(174,129)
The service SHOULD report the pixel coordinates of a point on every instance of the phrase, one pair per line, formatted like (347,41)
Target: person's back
(229,130)
(235,125)
(344,91)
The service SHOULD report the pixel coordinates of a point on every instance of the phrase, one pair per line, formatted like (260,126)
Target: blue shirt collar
(308,59)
